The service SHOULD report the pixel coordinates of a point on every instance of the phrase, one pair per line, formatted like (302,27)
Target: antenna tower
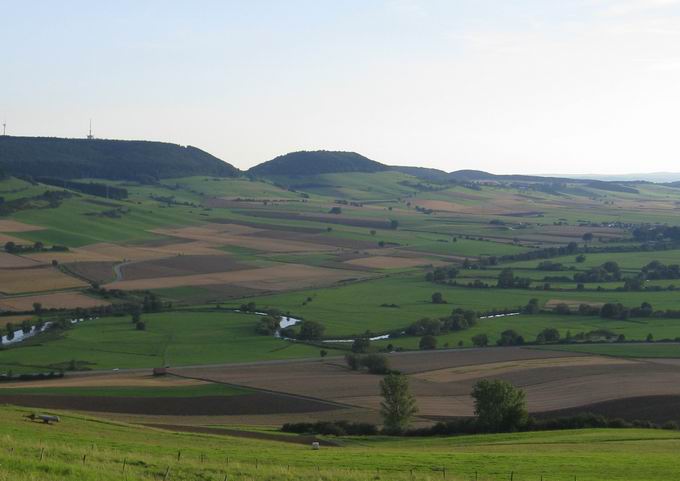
(89,135)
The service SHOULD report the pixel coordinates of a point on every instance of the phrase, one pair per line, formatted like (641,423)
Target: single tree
(311,330)
(398,405)
(480,340)
(499,406)
(427,343)
(437,298)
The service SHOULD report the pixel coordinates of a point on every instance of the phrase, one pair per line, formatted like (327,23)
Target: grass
(87,449)
(172,338)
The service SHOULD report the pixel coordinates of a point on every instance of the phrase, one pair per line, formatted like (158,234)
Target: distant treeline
(106,159)
(92,188)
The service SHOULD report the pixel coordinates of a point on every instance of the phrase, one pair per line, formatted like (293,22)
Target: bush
(331,428)
(361,345)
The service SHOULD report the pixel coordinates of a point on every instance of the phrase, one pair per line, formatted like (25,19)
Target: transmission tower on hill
(89,135)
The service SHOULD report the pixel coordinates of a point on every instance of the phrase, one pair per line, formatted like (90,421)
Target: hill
(108,159)
(305,163)
(87,449)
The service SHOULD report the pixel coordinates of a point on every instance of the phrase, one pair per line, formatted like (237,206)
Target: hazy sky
(536,86)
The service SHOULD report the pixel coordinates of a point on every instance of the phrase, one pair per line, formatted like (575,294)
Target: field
(66,451)
(350,251)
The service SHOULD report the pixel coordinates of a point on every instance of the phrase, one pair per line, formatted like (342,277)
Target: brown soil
(442,381)
(97,271)
(257,403)
(7,225)
(657,409)
(60,300)
(9,261)
(180,266)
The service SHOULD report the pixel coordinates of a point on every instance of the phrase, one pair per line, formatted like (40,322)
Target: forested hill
(110,159)
(317,162)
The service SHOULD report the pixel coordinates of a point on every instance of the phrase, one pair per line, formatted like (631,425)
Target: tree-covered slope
(110,159)
(315,163)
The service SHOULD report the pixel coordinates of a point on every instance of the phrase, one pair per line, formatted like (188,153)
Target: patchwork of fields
(350,252)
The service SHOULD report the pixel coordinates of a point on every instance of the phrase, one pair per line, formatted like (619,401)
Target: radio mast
(89,135)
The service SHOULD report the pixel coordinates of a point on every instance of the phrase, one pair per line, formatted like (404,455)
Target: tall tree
(499,406)
(399,405)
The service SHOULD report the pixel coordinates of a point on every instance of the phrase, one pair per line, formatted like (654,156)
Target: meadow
(87,449)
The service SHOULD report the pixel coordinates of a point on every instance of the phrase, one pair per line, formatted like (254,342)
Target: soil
(257,403)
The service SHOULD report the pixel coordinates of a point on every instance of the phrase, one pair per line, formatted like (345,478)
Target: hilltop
(108,159)
(306,163)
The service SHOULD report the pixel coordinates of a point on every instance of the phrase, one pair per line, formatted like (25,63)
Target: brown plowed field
(60,300)
(246,404)
(180,266)
(657,409)
(16,320)
(275,278)
(98,271)
(9,261)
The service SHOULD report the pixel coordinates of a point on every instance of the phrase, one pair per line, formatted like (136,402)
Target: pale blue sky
(506,86)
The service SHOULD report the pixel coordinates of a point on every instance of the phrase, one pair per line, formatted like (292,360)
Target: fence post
(444,472)
(124,464)
(179,455)
(42,452)
(512,475)
(84,457)
(167,471)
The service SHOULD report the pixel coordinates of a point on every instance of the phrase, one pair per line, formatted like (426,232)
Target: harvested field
(245,404)
(180,266)
(47,278)
(97,271)
(387,262)
(60,300)
(10,261)
(107,252)
(8,225)
(275,278)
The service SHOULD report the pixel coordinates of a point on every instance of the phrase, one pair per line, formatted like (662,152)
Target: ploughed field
(275,392)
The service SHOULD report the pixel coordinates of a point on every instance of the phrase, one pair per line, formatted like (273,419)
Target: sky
(507,86)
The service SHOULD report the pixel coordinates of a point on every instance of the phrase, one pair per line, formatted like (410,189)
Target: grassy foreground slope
(82,448)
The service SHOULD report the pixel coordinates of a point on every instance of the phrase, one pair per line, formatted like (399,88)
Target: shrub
(428,343)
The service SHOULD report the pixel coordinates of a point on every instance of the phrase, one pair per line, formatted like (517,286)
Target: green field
(87,449)
(172,338)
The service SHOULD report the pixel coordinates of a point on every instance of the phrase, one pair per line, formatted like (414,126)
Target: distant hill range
(318,162)
(108,159)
